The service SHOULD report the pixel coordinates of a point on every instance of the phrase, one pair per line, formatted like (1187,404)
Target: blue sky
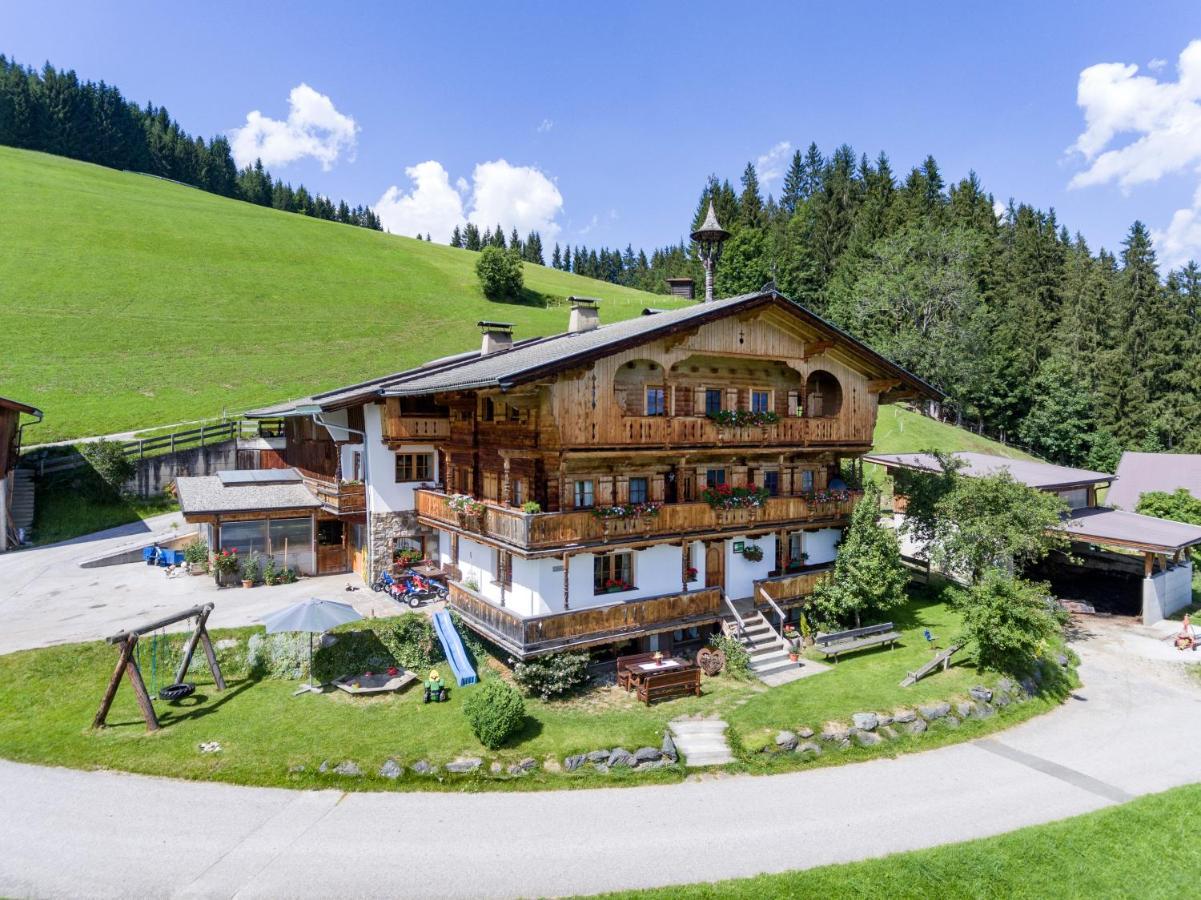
(610,117)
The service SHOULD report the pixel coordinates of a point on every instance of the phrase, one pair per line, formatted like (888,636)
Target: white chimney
(497,336)
(584,314)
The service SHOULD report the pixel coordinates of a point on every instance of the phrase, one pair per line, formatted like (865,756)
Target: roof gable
(1141,473)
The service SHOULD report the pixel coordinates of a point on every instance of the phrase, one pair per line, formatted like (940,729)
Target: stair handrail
(776,609)
(734,612)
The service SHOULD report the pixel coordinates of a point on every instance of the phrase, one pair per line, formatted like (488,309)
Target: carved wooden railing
(580,626)
(683,431)
(534,531)
(416,428)
(339,498)
(789,588)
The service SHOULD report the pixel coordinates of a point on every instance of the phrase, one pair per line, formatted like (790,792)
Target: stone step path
(769,653)
(701,742)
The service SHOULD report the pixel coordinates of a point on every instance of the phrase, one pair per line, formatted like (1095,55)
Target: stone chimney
(584,314)
(497,336)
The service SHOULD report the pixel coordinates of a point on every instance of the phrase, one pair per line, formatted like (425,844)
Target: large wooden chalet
(607,483)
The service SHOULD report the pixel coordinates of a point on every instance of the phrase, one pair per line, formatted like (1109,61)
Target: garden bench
(662,685)
(624,664)
(839,642)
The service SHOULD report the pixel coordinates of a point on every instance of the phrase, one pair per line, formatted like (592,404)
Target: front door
(715,569)
(357,555)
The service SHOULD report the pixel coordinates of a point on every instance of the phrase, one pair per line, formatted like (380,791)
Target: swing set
(129,663)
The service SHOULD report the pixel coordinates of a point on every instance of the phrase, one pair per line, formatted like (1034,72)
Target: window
(712,401)
(771,481)
(414,467)
(489,410)
(518,489)
(583,494)
(504,568)
(656,401)
(613,573)
(807,480)
(714,477)
(330,533)
(514,414)
(796,545)
(638,490)
(760,401)
(356,466)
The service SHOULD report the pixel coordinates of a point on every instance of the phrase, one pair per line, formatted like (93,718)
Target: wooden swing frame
(127,663)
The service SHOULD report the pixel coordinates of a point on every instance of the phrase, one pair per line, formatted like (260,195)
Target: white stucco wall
(656,571)
(1166,592)
(477,564)
(822,546)
(385,494)
(741,573)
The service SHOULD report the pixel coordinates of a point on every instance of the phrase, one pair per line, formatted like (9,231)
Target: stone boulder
(422,767)
(883,720)
(983,711)
(786,740)
(572,763)
(951,722)
(598,756)
(865,721)
(964,708)
(917,726)
(464,764)
(668,748)
(836,732)
(349,769)
(867,738)
(647,755)
(981,693)
(1000,700)
(522,767)
(804,733)
(934,710)
(904,716)
(620,757)
(888,731)
(809,747)
(1005,686)
(390,769)
(496,768)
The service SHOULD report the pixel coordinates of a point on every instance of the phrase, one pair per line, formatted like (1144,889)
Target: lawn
(48,697)
(61,513)
(128,301)
(900,431)
(1146,848)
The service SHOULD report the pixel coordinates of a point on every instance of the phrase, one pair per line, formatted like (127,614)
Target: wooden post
(110,692)
(1148,563)
(134,674)
(212,658)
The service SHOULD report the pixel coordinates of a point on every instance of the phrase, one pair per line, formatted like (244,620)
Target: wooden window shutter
(731,398)
(698,401)
(656,488)
(738,476)
(623,489)
(604,491)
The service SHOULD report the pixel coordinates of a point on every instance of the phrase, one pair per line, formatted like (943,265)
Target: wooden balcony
(544,531)
(529,636)
(420,429)
(340,498)
(793,588)
(691,431)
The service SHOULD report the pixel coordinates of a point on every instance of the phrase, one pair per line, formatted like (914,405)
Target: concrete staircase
(768,651)
(701,742)
(22,500)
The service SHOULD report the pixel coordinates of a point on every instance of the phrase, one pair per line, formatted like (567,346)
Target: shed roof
(6,403)
(209,494)
(1140,473)
(1044,476)
(536,357)
(1100,525)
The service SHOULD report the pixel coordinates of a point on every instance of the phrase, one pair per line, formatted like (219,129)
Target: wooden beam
(882,385)
(674,340)
(813,348)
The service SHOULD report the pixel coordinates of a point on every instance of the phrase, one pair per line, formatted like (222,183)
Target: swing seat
(173,692)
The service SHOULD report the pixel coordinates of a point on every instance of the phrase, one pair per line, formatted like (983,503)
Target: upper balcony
(545,531)
(338,497)
(698,431)
(420,429)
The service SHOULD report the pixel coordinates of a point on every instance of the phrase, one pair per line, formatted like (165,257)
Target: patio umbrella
(314,616)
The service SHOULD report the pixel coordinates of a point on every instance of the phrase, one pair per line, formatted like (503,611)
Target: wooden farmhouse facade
(611,482)
(11,427)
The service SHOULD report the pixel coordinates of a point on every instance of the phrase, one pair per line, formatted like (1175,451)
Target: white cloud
(314,127)
(999,209)
(545,126)
(520,197)
(1162,120)
(772,164)
(1157,64)
(432,207)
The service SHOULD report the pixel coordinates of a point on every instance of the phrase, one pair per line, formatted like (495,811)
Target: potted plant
(531,507)
(690,574)
(752,553)
(270,572)
(196,555)
(250,569)
(225,566)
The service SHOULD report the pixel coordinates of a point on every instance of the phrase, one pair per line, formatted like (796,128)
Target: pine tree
(750,203)
(456,237)
(794,184)
(556,257)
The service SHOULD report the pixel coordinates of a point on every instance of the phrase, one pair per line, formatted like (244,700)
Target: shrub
(1179,505)
(738,660)
(500,273)
(109,462)
(495,712)
(531,507)
(250,566)
(1007,621)
(196,553)
(552,676)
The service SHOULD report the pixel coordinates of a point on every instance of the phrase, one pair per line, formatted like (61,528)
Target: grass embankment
(48,698)
(1145,848)
(62,511)
(900,431)
(128,301)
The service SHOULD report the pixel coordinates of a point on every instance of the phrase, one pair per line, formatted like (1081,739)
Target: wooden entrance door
(715,564)
(357,548)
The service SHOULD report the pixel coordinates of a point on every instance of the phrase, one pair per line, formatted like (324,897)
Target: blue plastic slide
(452,646)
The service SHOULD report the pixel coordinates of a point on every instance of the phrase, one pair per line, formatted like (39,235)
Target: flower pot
(793,657)
(247,583)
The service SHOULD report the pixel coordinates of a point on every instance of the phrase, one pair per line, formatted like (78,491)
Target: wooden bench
(839,642)
(662,685)
(625,662)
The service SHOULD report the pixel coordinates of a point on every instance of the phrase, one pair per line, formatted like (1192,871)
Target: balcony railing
(786,590)
(416,428)
(537,531)
(684,431)
(528,636)
(338,497)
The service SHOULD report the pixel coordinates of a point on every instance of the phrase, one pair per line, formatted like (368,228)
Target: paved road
(1134,728)
(46,598)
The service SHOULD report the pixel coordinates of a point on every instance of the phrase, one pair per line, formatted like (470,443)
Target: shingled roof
(1141,473)
(537,357)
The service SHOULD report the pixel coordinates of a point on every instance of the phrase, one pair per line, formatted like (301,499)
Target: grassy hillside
(900,431)
(127,301)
